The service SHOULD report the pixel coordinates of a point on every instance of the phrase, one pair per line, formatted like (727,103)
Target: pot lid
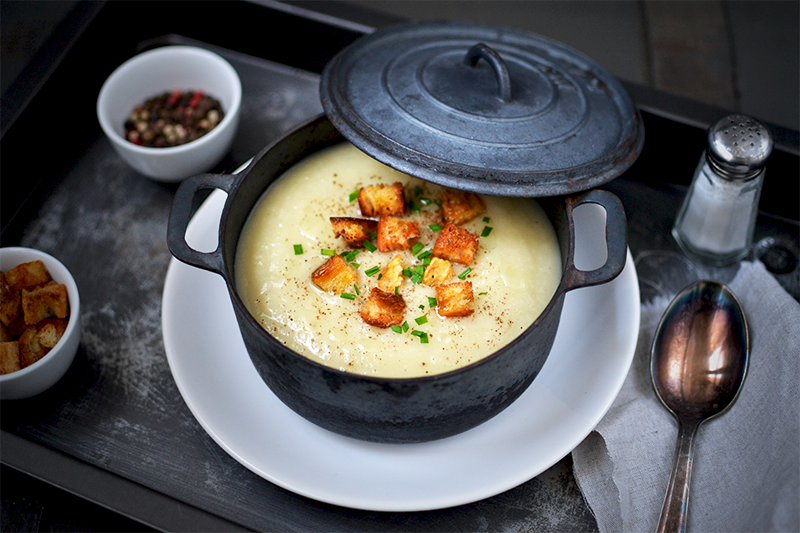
(482,109)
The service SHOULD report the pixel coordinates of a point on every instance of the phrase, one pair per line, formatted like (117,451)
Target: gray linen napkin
(746,474)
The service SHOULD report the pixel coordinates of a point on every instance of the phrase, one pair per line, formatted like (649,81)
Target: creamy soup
(514,273)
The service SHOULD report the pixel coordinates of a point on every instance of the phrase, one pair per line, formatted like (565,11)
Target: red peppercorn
(175,97)
(198,95)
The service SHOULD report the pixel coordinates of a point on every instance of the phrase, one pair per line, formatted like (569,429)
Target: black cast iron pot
(388,410)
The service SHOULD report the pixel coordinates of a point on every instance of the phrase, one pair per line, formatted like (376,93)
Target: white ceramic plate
(590,358)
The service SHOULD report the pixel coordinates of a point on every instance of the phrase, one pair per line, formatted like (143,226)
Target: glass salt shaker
(716,221)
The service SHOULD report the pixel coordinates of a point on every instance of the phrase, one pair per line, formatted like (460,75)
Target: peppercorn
(173,118)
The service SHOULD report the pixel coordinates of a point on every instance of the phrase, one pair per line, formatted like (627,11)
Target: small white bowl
(45,372)
(163,70)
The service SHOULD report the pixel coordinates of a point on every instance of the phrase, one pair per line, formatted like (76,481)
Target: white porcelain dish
(591,356)
(163,70)
(45,372)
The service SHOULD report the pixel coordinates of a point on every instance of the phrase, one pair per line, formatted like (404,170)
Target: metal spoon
(698,364)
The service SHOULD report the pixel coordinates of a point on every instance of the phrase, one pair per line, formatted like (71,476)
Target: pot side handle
(181,214)
(616,241)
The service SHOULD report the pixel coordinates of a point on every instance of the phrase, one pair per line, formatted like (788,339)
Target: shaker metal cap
(739,146)
(482,109)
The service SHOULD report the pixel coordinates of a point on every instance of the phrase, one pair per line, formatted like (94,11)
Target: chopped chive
(349,256)
(348,296)
(425,201)
(423,337)
(413,206)
(482,293)
(372,235)
(405,326)
(486,219)
(397,289)
(355,287)
(416,273)
(355,265)
(421,307)
(435,227)
(369,246)
(463,275)
(427,261)
(421,320)
(380,276)
(298,249)
(425,254)
(397,329)
(372,271)
(486,231)
(417,248)
(329,253)
(354,195)
(418,190)
(432,302)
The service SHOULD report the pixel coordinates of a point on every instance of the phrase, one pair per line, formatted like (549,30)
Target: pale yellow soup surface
(514,274)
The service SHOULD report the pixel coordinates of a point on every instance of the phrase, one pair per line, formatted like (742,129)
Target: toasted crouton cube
(392,275)
(10,302)
(396,234)
(9,357)
(454,299)
(30,350)
(459,207)
(382,200)
(45,301)
(335,276)
(438,272)
(456,244)
(50,331)
(354,230)
(27,275)
(383,309)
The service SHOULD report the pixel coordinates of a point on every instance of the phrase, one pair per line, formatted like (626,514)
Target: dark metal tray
(115,429)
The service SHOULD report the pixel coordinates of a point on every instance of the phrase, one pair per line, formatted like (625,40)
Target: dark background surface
(115,429)
(742,55)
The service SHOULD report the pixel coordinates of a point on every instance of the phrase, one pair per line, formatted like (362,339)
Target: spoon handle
(676,501)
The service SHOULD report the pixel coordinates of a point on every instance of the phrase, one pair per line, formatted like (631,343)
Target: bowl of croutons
(40,324)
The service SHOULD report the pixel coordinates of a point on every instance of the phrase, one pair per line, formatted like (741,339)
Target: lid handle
(482,51)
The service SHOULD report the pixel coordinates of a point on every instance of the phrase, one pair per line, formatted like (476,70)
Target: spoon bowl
(698,365)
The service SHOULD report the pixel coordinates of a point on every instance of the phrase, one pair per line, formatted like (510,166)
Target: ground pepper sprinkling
(172,119)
